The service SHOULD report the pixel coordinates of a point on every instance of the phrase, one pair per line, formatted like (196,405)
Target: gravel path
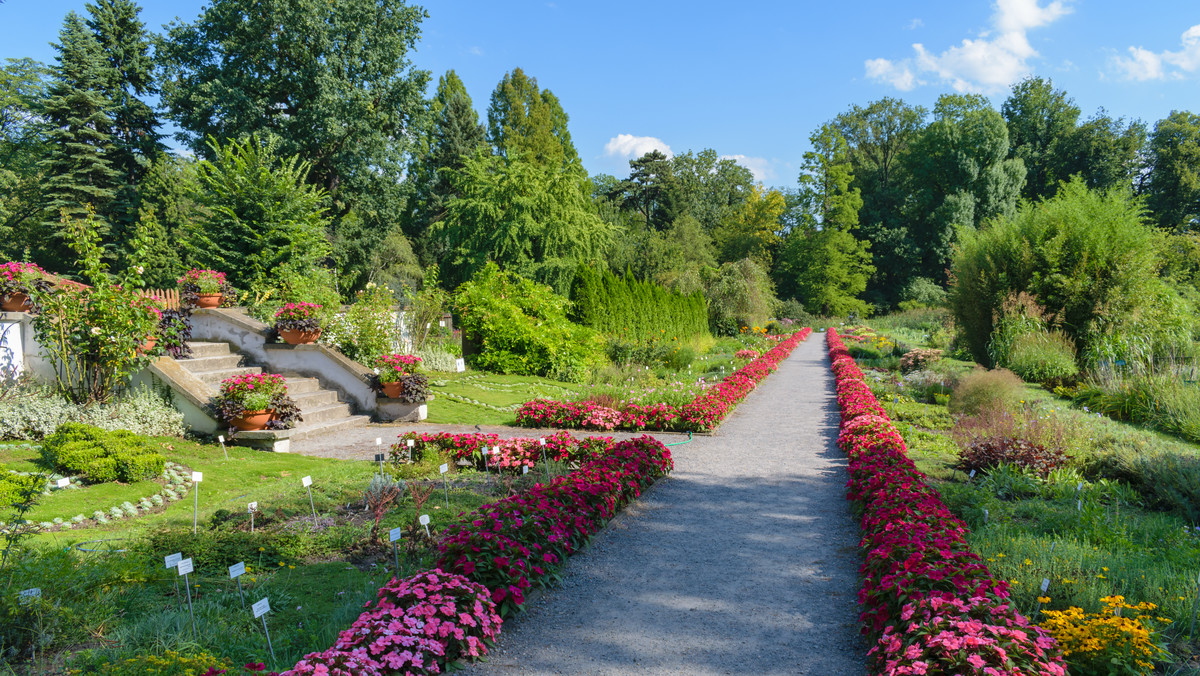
(744,561)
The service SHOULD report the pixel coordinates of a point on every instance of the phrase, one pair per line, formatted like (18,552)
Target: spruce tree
(526,120)
(135,138)
(78,166)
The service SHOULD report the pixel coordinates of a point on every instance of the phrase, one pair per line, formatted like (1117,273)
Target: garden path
(743,561)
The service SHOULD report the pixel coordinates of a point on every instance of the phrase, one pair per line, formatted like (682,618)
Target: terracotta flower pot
(208,300)
(145,347)
(392,390)
(15,302)
(296,337)
(252,420)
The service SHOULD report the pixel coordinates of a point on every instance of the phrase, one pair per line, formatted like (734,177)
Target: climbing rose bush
(705,412)
(930,604)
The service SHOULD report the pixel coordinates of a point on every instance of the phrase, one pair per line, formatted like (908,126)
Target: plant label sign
(1045,584)
(185,566)
(221,438)
(378,441)
(28,595)
(378,457)
(63,482)
(972,475)
(424,519)
(525,469)
(442,323)
(460,365)
(541,442)
(237,569)
(445,467)
(197,476)
(411,443)
(252,507)
(261,608)
(395,533)
(173,560)
(306,481)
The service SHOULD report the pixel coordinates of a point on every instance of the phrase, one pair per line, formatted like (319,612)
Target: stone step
(222,362)
(202,349)
(310,400)
(215,377)
(308,430)
(302,385)
(324,414)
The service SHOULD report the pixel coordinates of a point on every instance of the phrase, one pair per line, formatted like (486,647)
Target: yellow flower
(1000,555)
(262,549)
(291,567)
(281,564)
(1043,599)
(1028,562)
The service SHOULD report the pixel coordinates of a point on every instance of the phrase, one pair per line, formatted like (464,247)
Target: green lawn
(479,398)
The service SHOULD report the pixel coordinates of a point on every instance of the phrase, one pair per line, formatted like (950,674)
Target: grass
(480,398)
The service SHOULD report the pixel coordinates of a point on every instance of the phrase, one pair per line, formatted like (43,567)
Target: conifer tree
(526,120)
(78,166)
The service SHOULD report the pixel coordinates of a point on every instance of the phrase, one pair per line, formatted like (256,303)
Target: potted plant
(150,306)
(392,370)
(16,281)
(298,323)
(207,285)
(256,401)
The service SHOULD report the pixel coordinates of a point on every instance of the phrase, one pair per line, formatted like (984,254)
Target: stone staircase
(322,410)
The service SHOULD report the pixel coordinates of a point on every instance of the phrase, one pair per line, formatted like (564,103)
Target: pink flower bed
(490,559)
(930,604)
(704,413)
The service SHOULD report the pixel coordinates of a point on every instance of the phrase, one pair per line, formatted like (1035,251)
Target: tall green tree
(22,149)
(331,79)
(650,190)
(1041,122)
(78,169)
(526,120)
(752,231)
(135,137)
(1107,153)
(1173,189)
(958,176)
(821,264)
(878,136)
(528,217)
(709,188)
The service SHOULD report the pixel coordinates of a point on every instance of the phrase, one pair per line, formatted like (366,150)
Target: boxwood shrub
(99,455)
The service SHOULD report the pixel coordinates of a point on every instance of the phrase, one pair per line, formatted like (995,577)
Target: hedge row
(930,604)
(635,310)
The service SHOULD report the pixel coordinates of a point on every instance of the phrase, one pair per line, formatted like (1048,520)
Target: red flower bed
(491,558)
(929,603)
(703,413)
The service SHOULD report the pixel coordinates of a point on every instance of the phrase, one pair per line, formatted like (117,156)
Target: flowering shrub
(988,453)
(506,455)
(920,358)
(488,560)
(1111,641)
(704,412)
(929,603)
(391,367)
(745,354)
(253,392)
(298,317)
(206,282)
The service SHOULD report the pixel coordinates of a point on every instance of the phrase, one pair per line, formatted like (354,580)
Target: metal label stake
(486,469)
(260,610)
(172,561)
(394,535)
(252,508)
(185,567)
(425,522)
(197,477)
(307,481)
(545,463)
(223,449)
(445,485)
(236,571)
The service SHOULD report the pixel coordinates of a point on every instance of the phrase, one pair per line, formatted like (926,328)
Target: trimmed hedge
(634,309)
(99,455)
(13,485)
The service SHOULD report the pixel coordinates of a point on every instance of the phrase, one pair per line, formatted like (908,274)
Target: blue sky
(752,80)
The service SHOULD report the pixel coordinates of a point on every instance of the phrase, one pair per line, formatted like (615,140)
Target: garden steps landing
(322,409)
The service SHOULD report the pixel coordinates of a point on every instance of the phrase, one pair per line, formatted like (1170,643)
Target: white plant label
(460,365)
(221,438)
(378,441)
(64,482)
(306,481)
(525,469)
(424,519)
(252,507)
(237,569)
(541,442)
(173,560)
(972,474)
(261,608)
(442,323)
(444,468)
(395,533)
(185,566)
(28,595)
(1045,584)
(197,476)
(411,443)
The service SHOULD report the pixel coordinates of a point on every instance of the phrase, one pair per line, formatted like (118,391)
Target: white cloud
(1143,64)
(628,145)
(477,51)
(998,58)
(914,24)
(759,166)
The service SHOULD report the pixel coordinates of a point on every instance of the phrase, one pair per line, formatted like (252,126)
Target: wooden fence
(168,299)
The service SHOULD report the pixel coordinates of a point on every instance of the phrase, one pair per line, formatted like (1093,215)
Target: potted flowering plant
(298,323)
(16,281)
(208,286)
(256,401)
(394,372)
(149,305)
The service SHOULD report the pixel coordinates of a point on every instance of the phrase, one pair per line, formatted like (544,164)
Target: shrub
(794,310)
(1047,358)
(635,309)
(14,486)
(981,389)
(438,360)
(986,454)
(521,327)
(367,329)
(101,456)
(918,359)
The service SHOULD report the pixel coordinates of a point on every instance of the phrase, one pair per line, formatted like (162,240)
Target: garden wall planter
(394,410)
(208,300)
(16,302)
(298,337)
(252,420)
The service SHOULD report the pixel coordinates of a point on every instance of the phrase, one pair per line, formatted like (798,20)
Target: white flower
(140,269)
(95,330)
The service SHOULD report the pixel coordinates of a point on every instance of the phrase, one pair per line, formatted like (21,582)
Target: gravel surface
(743,561)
